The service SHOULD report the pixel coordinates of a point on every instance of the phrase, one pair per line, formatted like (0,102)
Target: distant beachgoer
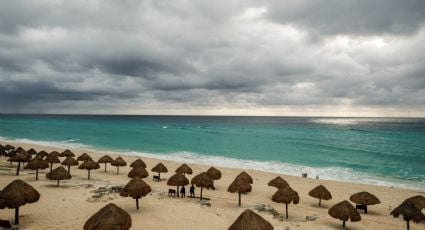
(192,191)
(317,177)
(183,191)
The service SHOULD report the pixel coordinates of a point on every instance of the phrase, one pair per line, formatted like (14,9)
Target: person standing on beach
(183,191)
(192,191)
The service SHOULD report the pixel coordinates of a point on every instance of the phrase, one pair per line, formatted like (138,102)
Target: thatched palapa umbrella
(202,180)
(32,151)
(159,168)
(42,154)
(246,177)
(9,147)
(67,153)
(69,161)
(37,164)
(286,195)
(16,194)
(105,160)
(20,157)
(59,174)
(344,211)
(138,163)
(52,160)
(55,154)
(184,169)
(278,183)
(89,165)
(409,212)
(110,217)
(320,192)
(119,162)
(365,198)
(136,189)
(138,172)
(214,173)
(418,201)
(249,220)
(240,186)
(84,157)
(178,179)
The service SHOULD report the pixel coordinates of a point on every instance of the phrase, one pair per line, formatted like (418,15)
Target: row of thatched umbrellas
(137,188)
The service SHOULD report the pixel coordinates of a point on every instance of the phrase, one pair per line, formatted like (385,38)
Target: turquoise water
(383,151)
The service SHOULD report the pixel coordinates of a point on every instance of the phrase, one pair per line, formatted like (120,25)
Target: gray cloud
(235,57)
(353,17)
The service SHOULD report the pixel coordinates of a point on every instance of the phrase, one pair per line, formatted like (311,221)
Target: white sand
(68,207)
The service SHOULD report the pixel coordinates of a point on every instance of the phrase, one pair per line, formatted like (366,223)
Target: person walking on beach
(192,191)
(183,191)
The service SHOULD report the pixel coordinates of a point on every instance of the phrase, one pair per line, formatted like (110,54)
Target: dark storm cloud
(355,17)
(134,56)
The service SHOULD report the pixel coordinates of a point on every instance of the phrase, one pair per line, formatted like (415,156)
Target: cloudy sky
(232,57)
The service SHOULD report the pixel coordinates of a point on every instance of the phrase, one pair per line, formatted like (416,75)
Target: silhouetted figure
(183,191)
(192,191)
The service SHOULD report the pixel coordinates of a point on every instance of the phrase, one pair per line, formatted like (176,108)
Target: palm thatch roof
(278,182)
(249,220)
(138,172)
(18,193)
(20,157)
(67,153)
(32,151)
(42,154)
(136,188)
(105,159)
(159,168)
(54,153)
(138,163)
(110,217)
(9,147)
(37,163)
(214,173)
(364,198)
(418,201)
(184,168)
(286,195)
(344,211)
(52,159)
(89,165)
(246,177)
(202,180)
(239,186)
(58,173)
(409,212)
(119,162)
(320,192)
(178,179)
(84,157)
(69,161)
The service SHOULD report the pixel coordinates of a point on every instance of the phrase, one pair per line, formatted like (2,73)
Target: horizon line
(205,115)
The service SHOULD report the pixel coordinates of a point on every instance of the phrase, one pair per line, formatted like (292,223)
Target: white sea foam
(328,173)
(68,144)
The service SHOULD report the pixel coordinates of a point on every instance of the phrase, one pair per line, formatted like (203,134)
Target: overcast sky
(232,57)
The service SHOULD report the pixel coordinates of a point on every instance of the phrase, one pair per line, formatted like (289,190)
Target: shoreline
(239,164)
(70,205)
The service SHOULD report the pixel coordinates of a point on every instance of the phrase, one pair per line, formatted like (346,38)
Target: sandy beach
(71,204)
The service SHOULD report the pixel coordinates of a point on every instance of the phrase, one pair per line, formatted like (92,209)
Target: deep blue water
(371,150)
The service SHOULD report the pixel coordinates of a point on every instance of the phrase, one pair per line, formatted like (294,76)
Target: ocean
(379,151)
